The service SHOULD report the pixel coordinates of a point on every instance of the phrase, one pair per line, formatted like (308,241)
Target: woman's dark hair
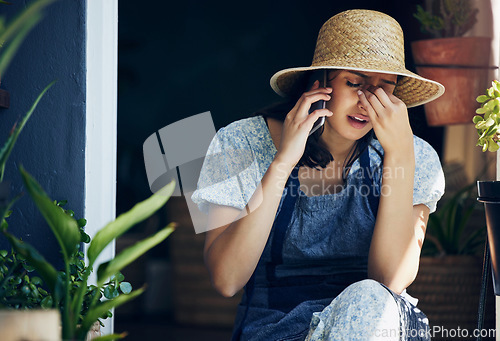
(316,154)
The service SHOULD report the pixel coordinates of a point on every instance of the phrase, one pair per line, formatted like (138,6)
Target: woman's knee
(364,310)
(367,287)
(368,293)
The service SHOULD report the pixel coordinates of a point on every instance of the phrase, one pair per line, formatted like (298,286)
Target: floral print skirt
(367,310)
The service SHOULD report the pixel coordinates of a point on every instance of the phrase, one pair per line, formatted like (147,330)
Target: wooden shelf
(4,99)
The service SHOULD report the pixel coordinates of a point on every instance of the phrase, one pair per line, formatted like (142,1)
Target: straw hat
(362,40)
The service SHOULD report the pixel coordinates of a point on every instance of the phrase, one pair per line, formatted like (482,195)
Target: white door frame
(101,121)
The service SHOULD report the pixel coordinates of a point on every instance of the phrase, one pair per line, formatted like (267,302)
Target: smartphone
(321,76)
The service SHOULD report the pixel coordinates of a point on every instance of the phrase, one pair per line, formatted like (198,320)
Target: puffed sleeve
(229,173)
(428,185)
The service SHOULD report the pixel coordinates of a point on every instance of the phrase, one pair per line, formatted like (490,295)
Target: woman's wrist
(283,167)
(404,159)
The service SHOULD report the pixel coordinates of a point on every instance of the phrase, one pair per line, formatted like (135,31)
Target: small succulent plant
(487,122)
(447,18)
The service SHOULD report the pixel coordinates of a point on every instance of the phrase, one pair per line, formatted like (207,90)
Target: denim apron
(317,247)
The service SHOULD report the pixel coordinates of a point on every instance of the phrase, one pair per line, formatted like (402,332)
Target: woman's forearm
(394,250)
(231,257)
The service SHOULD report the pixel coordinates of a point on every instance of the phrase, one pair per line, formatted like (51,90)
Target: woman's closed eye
(353,85)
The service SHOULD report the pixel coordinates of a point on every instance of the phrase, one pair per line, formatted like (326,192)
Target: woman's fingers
(368,107)
(371,97)
(380,96)
(389,117)
(314,116)
(310,97)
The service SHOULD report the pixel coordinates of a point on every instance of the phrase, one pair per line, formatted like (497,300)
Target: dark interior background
(183,58)
(178,59)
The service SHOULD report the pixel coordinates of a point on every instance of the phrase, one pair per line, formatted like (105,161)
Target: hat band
(361,64)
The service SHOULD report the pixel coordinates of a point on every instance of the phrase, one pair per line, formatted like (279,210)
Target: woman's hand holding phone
(298,124)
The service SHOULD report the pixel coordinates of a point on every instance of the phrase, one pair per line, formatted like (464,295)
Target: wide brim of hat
(411,88)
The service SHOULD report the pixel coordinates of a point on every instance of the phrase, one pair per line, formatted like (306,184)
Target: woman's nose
(360,106)
(370,87)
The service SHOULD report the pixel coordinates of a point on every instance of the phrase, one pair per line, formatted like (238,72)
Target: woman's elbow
(223,282)
(396,282)
(225,287)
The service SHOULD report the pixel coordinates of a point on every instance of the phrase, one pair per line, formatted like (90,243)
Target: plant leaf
(4,212)
(97,311)
(64,227)
(482,98)
(493,146)
(489,122)
(481,110)
(477,119)
(126,220)
(111,292)
(10,49)
(9,144)
(130,254)
(126,287)
(21,25)
(44,268)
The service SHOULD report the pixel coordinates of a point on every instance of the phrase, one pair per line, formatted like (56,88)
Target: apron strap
(368,180)
(282,221)
(280,224)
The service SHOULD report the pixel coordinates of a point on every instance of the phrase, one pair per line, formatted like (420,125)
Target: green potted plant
(21,289)
(459,63)
(487,123)
(77,315)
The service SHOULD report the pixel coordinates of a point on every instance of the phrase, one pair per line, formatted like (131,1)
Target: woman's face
(350,120)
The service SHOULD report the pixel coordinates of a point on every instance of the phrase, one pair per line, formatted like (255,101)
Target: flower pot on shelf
(489,194)
(461,64)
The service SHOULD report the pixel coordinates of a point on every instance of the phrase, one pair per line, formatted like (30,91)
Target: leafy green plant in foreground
(66,230)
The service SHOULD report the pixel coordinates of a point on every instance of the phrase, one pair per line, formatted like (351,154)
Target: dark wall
(178,59)
(52,145)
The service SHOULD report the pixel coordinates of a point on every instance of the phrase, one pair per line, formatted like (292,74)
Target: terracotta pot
(461,65)
(448,292)
(30,325)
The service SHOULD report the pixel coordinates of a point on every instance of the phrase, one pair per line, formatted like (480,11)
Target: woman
(325,232)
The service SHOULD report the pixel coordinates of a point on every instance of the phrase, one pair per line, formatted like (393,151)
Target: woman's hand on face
(298,123)
(389,117)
